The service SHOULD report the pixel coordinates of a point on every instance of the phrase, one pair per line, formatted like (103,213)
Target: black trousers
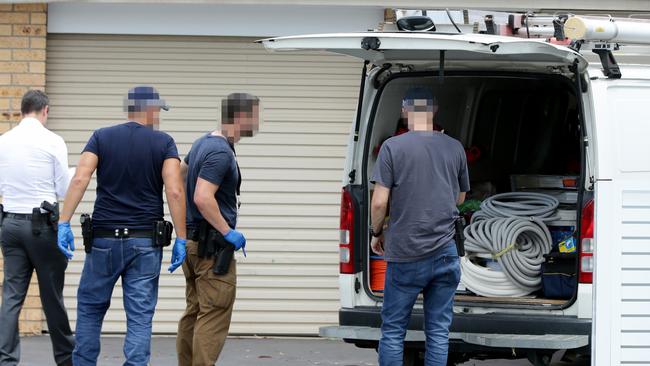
(23,252)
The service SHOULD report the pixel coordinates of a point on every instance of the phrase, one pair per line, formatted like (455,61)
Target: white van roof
(489,51)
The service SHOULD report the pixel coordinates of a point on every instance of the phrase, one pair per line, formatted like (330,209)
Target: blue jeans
(437,277)
(138,263)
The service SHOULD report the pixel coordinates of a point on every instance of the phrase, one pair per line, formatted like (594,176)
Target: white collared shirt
(33,167)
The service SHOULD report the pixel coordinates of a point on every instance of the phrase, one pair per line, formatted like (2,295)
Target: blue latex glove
(237,239)
(65,239)
(178,254)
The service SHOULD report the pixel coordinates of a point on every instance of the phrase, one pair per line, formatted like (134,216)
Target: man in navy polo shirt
(213,182)
(133,162)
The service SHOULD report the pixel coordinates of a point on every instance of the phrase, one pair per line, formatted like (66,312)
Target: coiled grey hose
(519,204)
(510,227)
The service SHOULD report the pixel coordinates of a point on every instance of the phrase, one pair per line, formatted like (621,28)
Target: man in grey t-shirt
(424,173)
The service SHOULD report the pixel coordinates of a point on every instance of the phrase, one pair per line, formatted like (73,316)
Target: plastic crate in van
(562,187)
(538,181)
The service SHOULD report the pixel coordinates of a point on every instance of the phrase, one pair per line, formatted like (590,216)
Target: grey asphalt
(36,351)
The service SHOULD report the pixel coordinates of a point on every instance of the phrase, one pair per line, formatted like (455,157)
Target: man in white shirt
(33,169)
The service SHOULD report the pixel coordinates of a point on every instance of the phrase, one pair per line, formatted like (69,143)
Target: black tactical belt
(193,234)
(16,216)
(123,233)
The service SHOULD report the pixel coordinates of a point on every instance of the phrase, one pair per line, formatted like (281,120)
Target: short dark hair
(237,103)
(34,101)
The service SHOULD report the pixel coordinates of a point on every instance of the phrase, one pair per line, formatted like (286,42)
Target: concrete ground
(37,351)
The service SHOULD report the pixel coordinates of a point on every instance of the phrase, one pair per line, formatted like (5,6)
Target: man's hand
(237,239)
(377,244)
(65,239)
(178,254)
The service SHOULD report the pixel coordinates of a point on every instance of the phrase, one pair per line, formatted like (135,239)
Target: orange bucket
(377,273)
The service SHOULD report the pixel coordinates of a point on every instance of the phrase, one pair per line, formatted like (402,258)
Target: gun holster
(162,233)
(50,217)
(213,245)
(52,213)
(459,236)
(87,232)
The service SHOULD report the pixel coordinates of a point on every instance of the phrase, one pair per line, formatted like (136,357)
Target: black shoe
(67,362)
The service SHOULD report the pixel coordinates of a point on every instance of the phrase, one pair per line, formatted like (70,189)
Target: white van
(535,110)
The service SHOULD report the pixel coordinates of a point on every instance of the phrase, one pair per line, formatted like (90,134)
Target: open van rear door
(477,51)
(621,331)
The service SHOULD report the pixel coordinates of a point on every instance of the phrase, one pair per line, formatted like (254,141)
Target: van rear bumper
(525,324)
(367,337)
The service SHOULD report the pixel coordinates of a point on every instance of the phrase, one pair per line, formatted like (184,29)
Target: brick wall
(22,67)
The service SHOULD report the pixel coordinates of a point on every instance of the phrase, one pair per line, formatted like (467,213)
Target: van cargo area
(521,133)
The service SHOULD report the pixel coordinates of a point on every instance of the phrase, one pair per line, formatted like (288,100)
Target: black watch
(374,234)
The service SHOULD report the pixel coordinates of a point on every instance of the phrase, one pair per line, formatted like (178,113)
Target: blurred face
(246,124)
(420,113)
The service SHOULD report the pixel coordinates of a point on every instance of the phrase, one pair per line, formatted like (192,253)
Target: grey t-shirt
(425,172)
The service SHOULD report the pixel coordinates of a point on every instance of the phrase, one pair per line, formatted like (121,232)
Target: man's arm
(171,174)
(87,166)
(184,169)
(378,207)
(461,198)
(61,175)
(463,178)
(208,206)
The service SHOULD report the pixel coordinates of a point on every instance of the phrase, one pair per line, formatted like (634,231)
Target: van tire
(540,358)
(457,358)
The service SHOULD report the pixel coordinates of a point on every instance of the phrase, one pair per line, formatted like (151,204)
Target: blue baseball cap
(143,96)
(418,93)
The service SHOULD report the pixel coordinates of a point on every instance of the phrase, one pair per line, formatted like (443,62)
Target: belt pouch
(87,232)
(224,258)
(203,238)
(162,234)
(36,221)
(459,237)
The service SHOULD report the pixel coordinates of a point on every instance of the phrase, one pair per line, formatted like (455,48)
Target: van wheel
(412,358)
(540,358)
(454,359)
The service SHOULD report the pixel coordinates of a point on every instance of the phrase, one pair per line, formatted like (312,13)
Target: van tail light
(346,244)
(587,243)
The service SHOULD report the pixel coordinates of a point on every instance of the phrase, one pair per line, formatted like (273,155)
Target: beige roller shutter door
(292,170)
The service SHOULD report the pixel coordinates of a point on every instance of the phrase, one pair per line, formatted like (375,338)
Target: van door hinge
(352,175)
(370,43)
(357,285)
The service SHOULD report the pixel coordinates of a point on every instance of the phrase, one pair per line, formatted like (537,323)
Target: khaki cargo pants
(210,298)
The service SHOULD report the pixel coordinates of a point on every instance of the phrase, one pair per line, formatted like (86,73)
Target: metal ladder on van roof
(601,34)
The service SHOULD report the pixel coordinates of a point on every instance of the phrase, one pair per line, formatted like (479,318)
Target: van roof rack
(604,34)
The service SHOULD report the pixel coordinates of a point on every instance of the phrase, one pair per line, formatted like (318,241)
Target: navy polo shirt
(129,175)
(213,159)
